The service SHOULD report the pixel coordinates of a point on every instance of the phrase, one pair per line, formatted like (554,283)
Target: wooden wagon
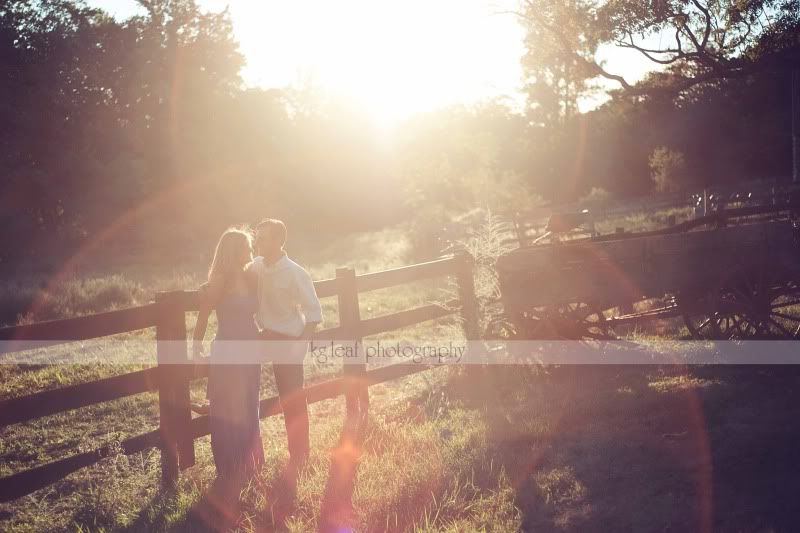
(734,274)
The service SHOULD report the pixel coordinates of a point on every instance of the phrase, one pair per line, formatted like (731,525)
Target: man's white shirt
(287,299)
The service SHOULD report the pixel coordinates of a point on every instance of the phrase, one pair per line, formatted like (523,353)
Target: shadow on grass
(646,448)
(336,509)
(153,517)
(267,502)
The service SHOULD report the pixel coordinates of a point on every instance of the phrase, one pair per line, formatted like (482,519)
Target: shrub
(668,168)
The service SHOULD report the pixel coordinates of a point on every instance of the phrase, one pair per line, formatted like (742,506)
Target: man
(288,309)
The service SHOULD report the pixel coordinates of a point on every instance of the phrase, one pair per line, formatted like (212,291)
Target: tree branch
(646,54)
(713,63)
(593,66)
(707,16)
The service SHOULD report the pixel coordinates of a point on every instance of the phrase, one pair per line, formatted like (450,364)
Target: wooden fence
(172,376)
(524,226)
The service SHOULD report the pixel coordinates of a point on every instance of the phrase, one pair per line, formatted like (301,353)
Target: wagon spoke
(790,303)
(780,327)
(738,324)
(762,329)
(726,332)
(741,321)
(754,324)
(577,320)
(718,332)
(749,328)
(793,318)
(698,330)
(735,331)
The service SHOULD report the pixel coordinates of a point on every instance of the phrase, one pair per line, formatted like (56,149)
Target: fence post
(356,389)
(705,201)
(466,295)
(519,229)
(175,414)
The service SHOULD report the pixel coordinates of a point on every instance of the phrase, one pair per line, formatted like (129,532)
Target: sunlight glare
(393,58)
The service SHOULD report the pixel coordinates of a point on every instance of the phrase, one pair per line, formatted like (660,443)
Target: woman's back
(235,314)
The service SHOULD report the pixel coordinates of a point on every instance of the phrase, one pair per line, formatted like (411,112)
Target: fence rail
(56,401)
(78,329)
(174,372)
(524,226)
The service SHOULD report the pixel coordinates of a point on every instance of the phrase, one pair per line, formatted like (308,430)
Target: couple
(263,299)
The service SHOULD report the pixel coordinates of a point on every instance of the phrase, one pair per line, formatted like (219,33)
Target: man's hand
(309,330)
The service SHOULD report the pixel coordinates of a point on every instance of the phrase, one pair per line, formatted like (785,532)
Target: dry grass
(112,493)
(501,449)
(38,299)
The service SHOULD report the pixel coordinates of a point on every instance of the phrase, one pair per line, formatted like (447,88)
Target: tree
(719,96)
(51,93)
(460,158)
(182,71)
(699,40)
(102,115)
(668,169)
(555,77)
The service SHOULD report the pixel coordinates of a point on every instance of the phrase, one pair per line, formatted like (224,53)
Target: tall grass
(518,448)
(484,243)
(35,299)
(29,300)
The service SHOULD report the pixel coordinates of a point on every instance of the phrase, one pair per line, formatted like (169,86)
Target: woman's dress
(233,389)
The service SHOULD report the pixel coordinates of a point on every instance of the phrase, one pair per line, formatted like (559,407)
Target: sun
(391,58)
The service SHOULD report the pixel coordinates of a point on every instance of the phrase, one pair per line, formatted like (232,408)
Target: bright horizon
(391,59)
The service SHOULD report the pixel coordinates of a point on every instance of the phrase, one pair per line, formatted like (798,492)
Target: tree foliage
(668,168)
(141,131)
(555,75)
(699,41)
(720,94)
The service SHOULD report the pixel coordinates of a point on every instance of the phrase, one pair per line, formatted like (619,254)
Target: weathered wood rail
(524,226)
(175,371)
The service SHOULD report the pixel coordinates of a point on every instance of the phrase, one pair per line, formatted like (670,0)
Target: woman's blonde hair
(233,252)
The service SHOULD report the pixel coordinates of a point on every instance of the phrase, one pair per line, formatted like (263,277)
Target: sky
(393,58)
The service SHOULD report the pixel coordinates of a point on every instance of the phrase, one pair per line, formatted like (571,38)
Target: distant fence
(523,226)
(177,429)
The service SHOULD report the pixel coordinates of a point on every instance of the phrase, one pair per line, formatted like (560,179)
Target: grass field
(569,449)
(592,448)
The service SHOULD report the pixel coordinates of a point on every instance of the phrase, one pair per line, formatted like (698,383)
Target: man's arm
(309,302)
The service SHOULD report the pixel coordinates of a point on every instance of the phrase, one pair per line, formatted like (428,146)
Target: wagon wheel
(578,320)
(704,317)
(768,306)
(759,304)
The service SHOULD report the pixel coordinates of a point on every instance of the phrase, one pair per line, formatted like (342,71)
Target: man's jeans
(289,381)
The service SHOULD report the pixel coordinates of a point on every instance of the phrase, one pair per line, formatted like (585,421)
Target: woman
(232,388)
